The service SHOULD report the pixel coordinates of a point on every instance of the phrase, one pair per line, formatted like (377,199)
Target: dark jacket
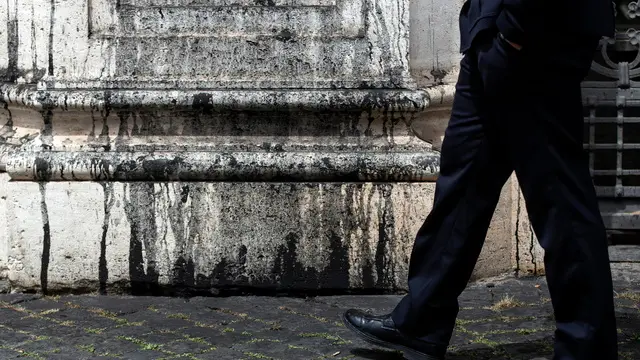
(536,21)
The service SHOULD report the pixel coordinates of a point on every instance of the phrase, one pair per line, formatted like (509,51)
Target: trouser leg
(546,145)
(543,127)
(473,171)
(509,114)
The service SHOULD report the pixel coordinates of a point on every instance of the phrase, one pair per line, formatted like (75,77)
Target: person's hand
(514,45)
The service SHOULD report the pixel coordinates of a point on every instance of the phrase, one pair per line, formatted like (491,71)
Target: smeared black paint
(101,141)
(184,194)
(288,273)
(99,169)
(141,216)
(34,60)
(229,273)
(242,258)
(46,241)
(51,26)
(12,50)
(161,169)
(336,275)
(230,276)
(103,271)
(42,169)
(183,276)
(438,76)
(285,35)
(7,131)
(384,265)
(203,101)
(123,130)
(136,264)
(361,219)
(265,2)
(185,282)
(293,275)
(223,166)
(47,129)
(104,133)
(122,170)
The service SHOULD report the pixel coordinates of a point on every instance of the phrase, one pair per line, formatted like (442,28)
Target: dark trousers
(517,111)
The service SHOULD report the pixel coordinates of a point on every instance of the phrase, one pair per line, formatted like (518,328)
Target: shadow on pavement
(628,339)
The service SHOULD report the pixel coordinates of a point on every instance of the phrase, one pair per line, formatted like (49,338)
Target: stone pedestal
(279,144)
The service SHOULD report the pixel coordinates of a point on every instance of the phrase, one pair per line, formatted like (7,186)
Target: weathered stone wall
(283,144)
(435,41)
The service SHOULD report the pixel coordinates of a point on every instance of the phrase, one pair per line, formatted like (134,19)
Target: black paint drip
(7,131)
(53,11)
(144,280)
(103,271)
(12,49)
(47,130)
(46,241)
(384,265)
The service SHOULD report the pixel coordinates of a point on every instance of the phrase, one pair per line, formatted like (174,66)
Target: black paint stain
(225,274)
(136,264)
(101,140)
(337,273)
(139,210)
(123,129)
(47,129)
(202,101)
(51,26)
(46,241)
(361,219)
(384,265)
(285,35)
(293,275)
(266,2)
(163,169)
(42,169)
(99,169)
(34,60)
(287,274)
(184,194)
(7,131)
(104,133)
(124,170)
(12,49)
(183,276)
(103,271)
(438,76)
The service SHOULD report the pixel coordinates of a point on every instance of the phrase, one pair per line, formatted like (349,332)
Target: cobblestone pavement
(510,319)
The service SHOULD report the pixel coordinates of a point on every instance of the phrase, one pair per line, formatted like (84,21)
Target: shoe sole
(409,353)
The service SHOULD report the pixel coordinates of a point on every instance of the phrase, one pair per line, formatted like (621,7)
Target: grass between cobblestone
(512,321)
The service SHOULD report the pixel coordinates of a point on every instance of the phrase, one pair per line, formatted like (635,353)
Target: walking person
(517,107)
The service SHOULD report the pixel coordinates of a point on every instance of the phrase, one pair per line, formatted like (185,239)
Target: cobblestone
(508,320)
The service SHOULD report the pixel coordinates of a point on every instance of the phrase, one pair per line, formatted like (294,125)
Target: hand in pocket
(501,66)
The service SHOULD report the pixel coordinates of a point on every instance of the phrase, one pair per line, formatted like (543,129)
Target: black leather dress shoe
(381,331)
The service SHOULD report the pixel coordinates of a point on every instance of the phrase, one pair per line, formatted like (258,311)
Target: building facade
(151,144)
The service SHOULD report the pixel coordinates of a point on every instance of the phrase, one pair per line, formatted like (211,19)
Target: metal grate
(611,95)
(612,133)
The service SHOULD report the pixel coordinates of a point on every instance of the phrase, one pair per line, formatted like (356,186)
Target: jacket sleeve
(520,19)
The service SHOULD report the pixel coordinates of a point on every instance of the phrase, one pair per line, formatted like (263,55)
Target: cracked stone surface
(510,319)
